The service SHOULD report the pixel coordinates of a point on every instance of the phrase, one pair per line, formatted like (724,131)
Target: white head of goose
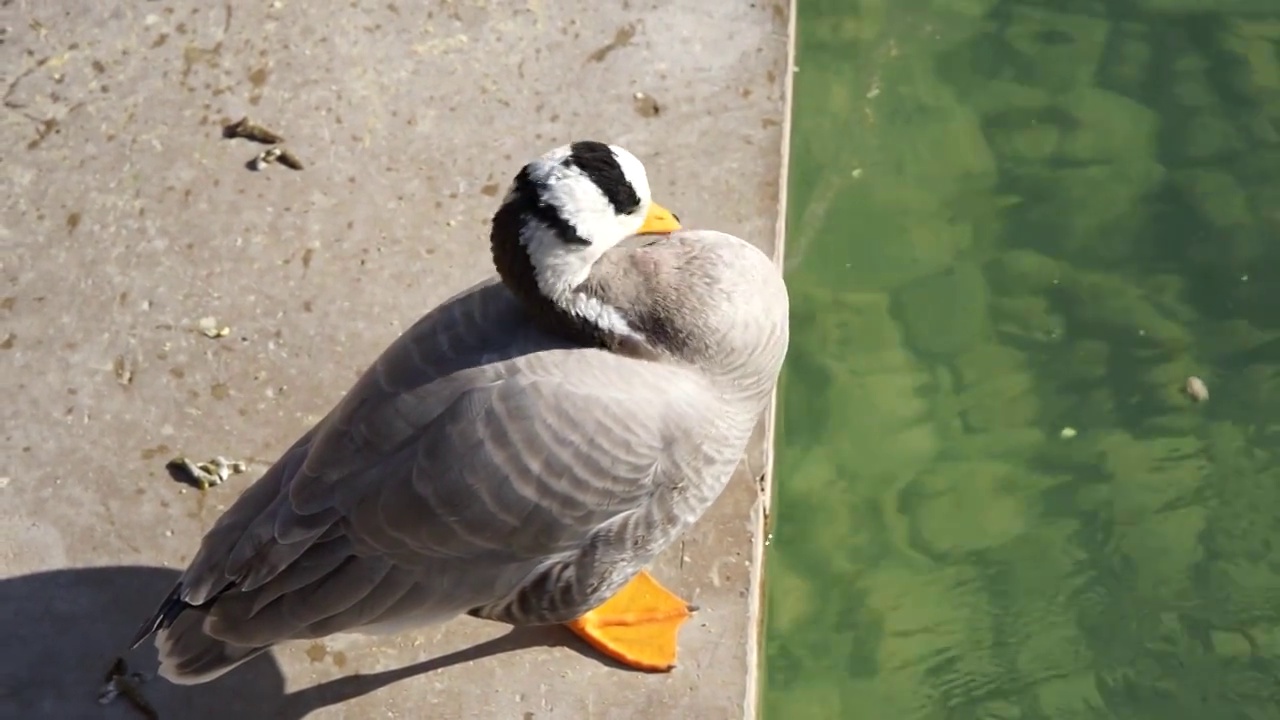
(522,452)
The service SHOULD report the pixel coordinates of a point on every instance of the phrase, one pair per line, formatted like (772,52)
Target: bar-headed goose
(522,452)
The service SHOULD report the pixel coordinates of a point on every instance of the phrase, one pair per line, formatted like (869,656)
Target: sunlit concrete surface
(128,219)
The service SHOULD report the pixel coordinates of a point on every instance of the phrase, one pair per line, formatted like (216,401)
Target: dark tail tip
(169,610)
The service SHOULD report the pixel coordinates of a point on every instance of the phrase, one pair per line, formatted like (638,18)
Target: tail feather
(189,655)
(163,617)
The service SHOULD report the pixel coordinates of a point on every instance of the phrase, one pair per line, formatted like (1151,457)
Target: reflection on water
(1017,228)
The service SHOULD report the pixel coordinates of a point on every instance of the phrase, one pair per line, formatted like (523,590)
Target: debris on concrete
(646,106)
(264,158)
(249,130)
(288,160)
(205,475)
(209,328)
(123,370)
(119,681)
(274,155)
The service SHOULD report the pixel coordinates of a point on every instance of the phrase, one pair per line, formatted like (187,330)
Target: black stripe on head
(600,164)
(529,202)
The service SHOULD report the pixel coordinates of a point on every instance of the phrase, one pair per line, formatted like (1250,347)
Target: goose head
(563,212)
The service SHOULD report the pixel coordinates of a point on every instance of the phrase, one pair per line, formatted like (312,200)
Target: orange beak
(658,220)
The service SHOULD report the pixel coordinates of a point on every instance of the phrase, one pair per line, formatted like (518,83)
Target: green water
(1016,229)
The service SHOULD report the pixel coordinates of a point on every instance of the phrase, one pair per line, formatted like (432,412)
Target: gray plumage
(520,453)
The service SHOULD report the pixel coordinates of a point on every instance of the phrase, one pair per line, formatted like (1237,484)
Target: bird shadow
(64,628)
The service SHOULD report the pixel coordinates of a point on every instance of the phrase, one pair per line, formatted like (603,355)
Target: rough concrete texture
(128,218)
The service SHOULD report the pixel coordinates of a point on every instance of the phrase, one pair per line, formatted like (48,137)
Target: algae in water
(1010,218)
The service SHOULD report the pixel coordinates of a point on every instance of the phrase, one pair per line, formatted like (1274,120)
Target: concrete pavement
(128,219)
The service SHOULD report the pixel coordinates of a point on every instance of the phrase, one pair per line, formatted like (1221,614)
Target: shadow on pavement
(63,628)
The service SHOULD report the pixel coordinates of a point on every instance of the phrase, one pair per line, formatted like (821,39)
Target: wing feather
(448,476)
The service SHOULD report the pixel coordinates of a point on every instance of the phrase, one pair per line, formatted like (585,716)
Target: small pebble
(208,327)
(1196,389)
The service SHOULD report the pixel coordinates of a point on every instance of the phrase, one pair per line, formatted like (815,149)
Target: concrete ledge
(130,219)
(764,507)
